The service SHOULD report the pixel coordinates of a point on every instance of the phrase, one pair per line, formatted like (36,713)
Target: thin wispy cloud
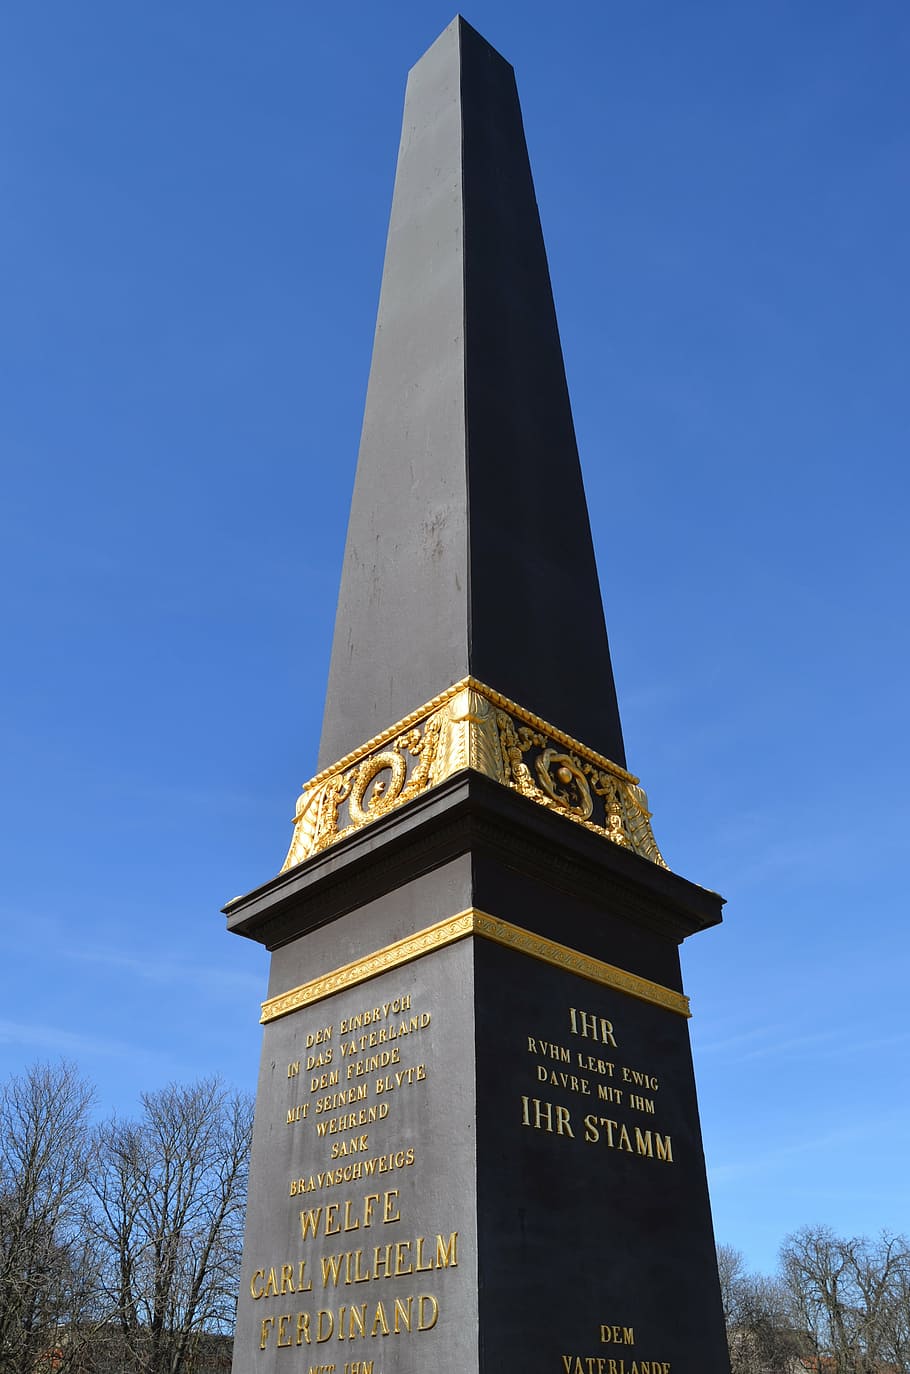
(796,1044)
(752,845)
(37,1035)
(729,1043)
(24,932)
(827,1143)
(211,800)
(821,1044)
(216,979)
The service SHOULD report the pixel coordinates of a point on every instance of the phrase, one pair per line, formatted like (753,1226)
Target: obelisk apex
(469,550)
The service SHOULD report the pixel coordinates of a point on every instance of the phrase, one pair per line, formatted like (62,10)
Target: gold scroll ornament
(472,726)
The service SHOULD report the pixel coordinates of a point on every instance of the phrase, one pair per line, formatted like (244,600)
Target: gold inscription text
(592,1027)
(330,1220)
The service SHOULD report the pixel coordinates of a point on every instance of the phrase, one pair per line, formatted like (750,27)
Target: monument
(477,1144)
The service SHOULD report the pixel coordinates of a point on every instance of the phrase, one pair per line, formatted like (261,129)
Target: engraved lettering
(615,1135)
(316,1061)
(617,1335)
(418,1255)
(348,1121)
(324,1080)
(592,1027)
(546,1050)
(428,1312)
(366,1018)
(404,1314)
(601,1364)
(556,1078)
(591,1065)
(641,1080)
(324,1220)
(545,1116)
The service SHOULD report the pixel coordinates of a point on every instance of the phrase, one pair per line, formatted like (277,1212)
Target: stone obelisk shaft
(469,550)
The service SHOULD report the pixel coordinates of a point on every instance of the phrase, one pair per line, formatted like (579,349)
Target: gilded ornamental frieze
(472,726)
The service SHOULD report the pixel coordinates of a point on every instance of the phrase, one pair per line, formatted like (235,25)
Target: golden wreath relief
(471,726)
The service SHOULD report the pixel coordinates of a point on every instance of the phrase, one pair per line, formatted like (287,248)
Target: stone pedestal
(477,1143)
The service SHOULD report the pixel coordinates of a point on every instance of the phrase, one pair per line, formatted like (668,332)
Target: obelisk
(477,1144)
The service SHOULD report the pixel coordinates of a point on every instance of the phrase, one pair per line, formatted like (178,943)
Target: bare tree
(881,1277)
(812,1274)
(731,1270)
(895,1325)
(759,1317)
(171,1193)
(767,1315)
(851,1295)
(47,1274)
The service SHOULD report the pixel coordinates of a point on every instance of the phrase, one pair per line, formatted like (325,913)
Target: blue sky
(195,203)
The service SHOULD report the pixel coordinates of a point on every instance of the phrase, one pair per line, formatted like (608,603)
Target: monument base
(477,1142)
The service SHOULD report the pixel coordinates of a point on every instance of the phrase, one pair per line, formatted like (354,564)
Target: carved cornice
(473,922)
(472,726)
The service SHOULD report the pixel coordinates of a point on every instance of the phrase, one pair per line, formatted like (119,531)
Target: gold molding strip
(382,961)
(470,725)
(473,922)
(595,970)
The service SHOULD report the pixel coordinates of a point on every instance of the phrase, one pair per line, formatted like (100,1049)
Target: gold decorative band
(562,956)
(472,726)
(474,922)
(349,975)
